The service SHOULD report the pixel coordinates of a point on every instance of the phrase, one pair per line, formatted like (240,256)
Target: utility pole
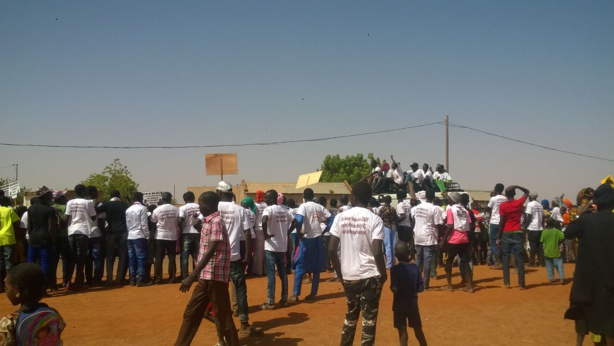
(16,172)
(447,145)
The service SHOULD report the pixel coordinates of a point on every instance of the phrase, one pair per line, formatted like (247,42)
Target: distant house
(245,189)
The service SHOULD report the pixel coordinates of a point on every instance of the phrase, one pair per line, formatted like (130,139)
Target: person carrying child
(552,238)
(35,323)
(405,283)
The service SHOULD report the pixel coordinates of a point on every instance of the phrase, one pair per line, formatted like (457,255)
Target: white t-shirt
(397,175)
(278,224)
(136,221)
(293,211)
(356,229)
(535,209)
(80,211)
(251,220)
(556,214)
(23,223)
(462,219)
(418,176)
(404,208)
(236,222)
(165,217)
(343,208)
(494,204)
(313,214)
(259,209)
(442,176)
(426,217)
(188,213)
(95,231)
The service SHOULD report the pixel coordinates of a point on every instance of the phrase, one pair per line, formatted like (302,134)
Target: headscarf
(248,202)
(259,196)
(280,198)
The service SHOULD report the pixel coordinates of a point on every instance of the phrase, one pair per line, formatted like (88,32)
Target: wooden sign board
(221,164)
(305,180)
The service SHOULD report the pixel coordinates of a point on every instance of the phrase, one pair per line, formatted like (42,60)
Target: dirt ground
(492,315)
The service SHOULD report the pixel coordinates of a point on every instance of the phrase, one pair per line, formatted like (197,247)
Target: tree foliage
(351,168)
(115,176)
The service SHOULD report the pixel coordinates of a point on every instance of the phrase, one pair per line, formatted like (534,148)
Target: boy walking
(552,238)
(212,271)
(405,283)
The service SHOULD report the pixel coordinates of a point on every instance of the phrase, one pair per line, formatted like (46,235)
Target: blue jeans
(189,247)
(237,275)
(554,262)
(390,240)
(493,230)
(273,259)
(513,241)
(44,254)
(95,261)
(424,257)
(137,254)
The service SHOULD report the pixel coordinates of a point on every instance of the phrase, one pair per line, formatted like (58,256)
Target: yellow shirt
(7,233)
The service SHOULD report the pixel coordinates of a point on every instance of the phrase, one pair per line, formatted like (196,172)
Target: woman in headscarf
(592,292)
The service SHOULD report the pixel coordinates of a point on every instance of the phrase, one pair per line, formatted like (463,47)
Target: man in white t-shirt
(238,226)
(79,213)
(166,217)
(256,267)
(277,223)
(138,234)
(360,263)
(190,236)
(404,225)
(533,220)
(94,265)
(427,225)
(311,257)
(493,229)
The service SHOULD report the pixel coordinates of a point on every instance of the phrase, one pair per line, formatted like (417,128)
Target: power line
(216,145)
(529,143)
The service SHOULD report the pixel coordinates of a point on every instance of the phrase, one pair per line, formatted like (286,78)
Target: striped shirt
(218,267)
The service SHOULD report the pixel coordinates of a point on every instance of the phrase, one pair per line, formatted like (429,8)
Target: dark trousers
(119,240)
(406,234)
(463,252)
(62,249)
(6,262)
(190,244)
(237,275)
(537,248)
(163,248)
(362,295)
(78,252)
(94,265)
(207,291)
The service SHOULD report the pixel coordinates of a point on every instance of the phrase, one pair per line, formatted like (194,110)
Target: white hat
(223,186)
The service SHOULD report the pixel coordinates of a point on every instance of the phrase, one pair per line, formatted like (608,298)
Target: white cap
(223,187)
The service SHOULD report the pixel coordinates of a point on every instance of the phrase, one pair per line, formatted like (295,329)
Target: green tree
(351,168)
(115,176)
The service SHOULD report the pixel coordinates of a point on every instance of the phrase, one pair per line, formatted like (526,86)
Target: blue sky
(201,73)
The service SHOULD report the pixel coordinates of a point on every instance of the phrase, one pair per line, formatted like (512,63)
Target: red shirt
(214,229)
(512,211)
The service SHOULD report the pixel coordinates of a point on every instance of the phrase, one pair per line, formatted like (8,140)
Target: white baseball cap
(223,187)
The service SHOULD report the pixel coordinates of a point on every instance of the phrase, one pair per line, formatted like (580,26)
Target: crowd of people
(385,177)
(358,237)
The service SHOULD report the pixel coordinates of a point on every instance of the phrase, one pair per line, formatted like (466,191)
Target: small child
(405,283)
(34,323)
(552,238)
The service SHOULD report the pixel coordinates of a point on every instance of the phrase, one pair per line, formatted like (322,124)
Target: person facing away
(137,224)
(42,229)
(117,236)
(428,224)
(165,217)
(405,283)
(493,228)
(534,223)
(358,235)
(511,237)
(190,236)
(34,323)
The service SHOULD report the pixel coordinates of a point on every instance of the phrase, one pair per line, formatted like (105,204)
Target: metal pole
(16,172)
(447,145)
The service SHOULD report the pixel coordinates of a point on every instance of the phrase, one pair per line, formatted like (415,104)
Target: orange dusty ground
(492,315)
